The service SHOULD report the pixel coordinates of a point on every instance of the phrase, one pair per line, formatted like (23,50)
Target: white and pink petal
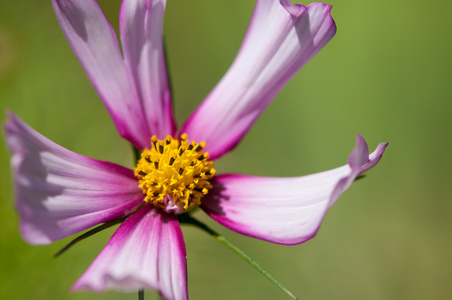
(284,210)
(141,24)
(95,44)
(146,252)
(59,192)
(281,39)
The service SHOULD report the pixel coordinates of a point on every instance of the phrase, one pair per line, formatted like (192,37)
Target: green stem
(187,219)
(140,294)
(88,234)
(94,231)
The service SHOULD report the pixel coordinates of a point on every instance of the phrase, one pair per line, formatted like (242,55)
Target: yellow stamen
(173,174)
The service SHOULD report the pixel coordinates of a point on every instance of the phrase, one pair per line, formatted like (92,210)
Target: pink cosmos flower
(60,193)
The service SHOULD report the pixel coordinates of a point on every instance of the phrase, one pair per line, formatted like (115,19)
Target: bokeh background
(386,74)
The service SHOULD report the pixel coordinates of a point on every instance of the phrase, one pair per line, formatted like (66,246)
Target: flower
(60,193)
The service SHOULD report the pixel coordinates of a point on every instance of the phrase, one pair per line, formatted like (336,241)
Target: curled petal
(146,252)
(94,42)
(280,40)
(141,36)
(60,192)
(284,210)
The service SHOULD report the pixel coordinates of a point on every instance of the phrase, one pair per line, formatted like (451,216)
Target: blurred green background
(386,74)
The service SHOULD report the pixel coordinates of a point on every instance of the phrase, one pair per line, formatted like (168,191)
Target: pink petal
(141,35)
(146,252)
(280,40)
(284,210)
(94,42)
(59,192)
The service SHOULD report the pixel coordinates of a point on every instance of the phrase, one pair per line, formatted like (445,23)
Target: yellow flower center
(173,174)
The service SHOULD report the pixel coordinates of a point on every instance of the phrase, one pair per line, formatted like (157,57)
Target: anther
(158,165)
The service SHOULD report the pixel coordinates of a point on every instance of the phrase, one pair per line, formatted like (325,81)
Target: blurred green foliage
(386,74)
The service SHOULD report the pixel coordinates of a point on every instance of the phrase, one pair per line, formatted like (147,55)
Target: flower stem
(140,294)
(88,234)
(188,219)
(94,231)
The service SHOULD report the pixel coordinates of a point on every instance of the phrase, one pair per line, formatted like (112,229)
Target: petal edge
(59,192)
(280,40)
(146,251)
(286,211)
